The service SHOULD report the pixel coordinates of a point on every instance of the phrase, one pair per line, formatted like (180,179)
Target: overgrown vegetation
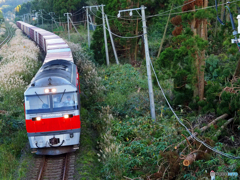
(198,68)
(19,62)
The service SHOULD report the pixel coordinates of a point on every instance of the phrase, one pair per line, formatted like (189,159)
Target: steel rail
(3,42)
(65,167)
(46,173)
(42,167)
(8,38)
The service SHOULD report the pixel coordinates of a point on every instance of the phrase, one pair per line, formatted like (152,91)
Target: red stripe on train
(53,124)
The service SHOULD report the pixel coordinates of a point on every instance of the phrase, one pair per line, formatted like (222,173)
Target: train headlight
(66,116)
(54,90)
(46,90)
(38,118)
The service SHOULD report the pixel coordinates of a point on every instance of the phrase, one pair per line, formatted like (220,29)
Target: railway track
(59,167)
(9,36)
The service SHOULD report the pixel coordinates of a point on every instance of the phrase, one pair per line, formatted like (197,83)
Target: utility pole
(68,23)
(38,18)
(88,27)
(113,45)
(105,36)
(41,15)
(150,88)
(104,29)
(52,18)
(90,18)
(33,15)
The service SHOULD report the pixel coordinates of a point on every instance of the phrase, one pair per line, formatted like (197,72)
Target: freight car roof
(56,68)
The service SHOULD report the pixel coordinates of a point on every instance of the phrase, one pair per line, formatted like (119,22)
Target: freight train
(52,101)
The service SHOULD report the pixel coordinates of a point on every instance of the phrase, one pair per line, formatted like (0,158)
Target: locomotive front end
(52,112)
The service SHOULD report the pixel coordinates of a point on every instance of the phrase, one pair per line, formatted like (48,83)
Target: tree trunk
(143,49)
(202,59)
(164,34)
(136,46)
(222,10)
(237,71)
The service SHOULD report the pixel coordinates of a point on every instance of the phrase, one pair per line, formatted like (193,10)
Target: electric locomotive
(52,99)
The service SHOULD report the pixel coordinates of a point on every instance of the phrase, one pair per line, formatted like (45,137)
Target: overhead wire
(192,135)
(79,13)
(125,37)
(164,13)
(78,10)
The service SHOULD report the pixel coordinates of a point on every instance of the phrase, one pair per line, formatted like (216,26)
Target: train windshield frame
(51,102)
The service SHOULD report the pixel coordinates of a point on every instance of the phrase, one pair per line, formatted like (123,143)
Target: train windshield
(65,101)
(35,103)
(51,103)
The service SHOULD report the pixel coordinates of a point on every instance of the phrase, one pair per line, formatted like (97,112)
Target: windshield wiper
(62,95)
(39,97)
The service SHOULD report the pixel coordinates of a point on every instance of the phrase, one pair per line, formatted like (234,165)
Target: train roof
(56,72)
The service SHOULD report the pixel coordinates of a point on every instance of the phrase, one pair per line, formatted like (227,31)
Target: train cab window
(65,101)
(38,103)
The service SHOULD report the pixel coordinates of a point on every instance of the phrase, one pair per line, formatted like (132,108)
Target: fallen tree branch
(224,125)
(204,128)
(189,159)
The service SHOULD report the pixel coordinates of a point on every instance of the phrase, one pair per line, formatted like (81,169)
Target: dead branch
(131,178)
(223,126)
(204,128)
(165,172)
(3,112)
(187,140)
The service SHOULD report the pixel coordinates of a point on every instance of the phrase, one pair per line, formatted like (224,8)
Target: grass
(87,164)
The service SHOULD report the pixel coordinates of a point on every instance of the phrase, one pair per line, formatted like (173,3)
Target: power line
(125,37)
(79,13)
(164,13)
(197,139)
(78,10)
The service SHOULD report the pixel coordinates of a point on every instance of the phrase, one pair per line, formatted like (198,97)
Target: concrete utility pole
(90,18)
(104,29)
(68,24)
(41,15)
(105,36)
(113,45)
(33,15)
(88,27)
(150,89)
(38,18)
(51,14)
